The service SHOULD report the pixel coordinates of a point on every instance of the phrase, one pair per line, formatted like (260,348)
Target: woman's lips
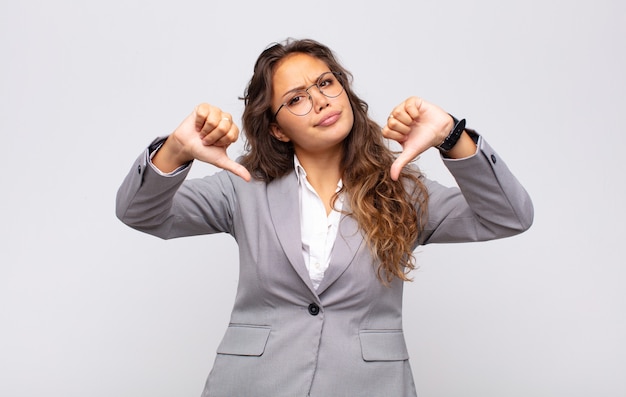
(330,119)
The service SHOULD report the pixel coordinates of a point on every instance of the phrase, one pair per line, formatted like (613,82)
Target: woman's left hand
(417,126)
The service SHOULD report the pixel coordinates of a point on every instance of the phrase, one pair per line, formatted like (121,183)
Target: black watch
(453,136)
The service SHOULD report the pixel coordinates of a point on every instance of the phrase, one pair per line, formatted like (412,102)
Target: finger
(394,135)
(221,130)
(229,138)
(404,158)
(202,111)
(399,117)
(213,137)
(413,107)
(229,165)
(397,166)
(211,122)
(395,124)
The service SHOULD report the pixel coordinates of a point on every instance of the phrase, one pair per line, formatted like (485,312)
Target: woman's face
(330,119)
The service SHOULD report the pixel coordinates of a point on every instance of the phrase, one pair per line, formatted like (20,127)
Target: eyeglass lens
(301,102)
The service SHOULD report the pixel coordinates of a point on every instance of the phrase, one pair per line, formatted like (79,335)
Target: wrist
(170,156)
(453,137)
(465,147)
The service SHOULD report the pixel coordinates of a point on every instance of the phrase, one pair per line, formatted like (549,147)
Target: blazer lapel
(347,243)
(284,205)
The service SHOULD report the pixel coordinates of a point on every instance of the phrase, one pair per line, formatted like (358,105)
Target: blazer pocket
(244,340)
(383,345)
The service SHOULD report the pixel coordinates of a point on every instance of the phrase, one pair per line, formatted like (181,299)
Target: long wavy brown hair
(391,213)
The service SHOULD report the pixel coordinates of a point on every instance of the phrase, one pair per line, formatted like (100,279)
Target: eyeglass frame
(336,74)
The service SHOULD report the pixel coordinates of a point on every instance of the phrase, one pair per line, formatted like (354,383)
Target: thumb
(397,166)
(229,165)
(409,153)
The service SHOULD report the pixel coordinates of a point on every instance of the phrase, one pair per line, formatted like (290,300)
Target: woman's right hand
(204,135)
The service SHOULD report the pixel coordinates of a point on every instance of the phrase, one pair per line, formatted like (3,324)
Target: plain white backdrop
(89,307)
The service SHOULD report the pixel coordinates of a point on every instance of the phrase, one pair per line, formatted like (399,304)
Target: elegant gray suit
(285,338)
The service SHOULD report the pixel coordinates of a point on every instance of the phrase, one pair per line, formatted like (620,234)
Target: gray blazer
(284,337)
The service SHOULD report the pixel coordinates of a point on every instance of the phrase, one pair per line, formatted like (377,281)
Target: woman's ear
(277,133)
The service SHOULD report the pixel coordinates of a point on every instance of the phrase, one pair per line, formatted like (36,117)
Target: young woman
(326,218)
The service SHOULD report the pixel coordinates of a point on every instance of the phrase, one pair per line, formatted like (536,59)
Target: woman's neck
(323,173)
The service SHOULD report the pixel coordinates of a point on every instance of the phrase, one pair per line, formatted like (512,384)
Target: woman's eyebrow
(303,87)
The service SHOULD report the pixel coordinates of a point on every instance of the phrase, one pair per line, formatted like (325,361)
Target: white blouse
(318,230)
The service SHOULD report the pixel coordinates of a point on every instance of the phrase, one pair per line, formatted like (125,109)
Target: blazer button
(314,309)
(493,158)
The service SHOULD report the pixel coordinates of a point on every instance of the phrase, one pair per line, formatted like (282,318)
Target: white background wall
(89,307)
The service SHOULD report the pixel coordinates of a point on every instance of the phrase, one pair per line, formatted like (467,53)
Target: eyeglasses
(300,102)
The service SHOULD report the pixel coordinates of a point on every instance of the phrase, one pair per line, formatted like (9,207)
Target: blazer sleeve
(489,202)
(169,206)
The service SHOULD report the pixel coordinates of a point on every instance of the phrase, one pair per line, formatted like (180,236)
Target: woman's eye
(296,99)
(326,83)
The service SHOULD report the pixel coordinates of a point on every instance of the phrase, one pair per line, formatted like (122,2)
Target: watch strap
(453,136)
